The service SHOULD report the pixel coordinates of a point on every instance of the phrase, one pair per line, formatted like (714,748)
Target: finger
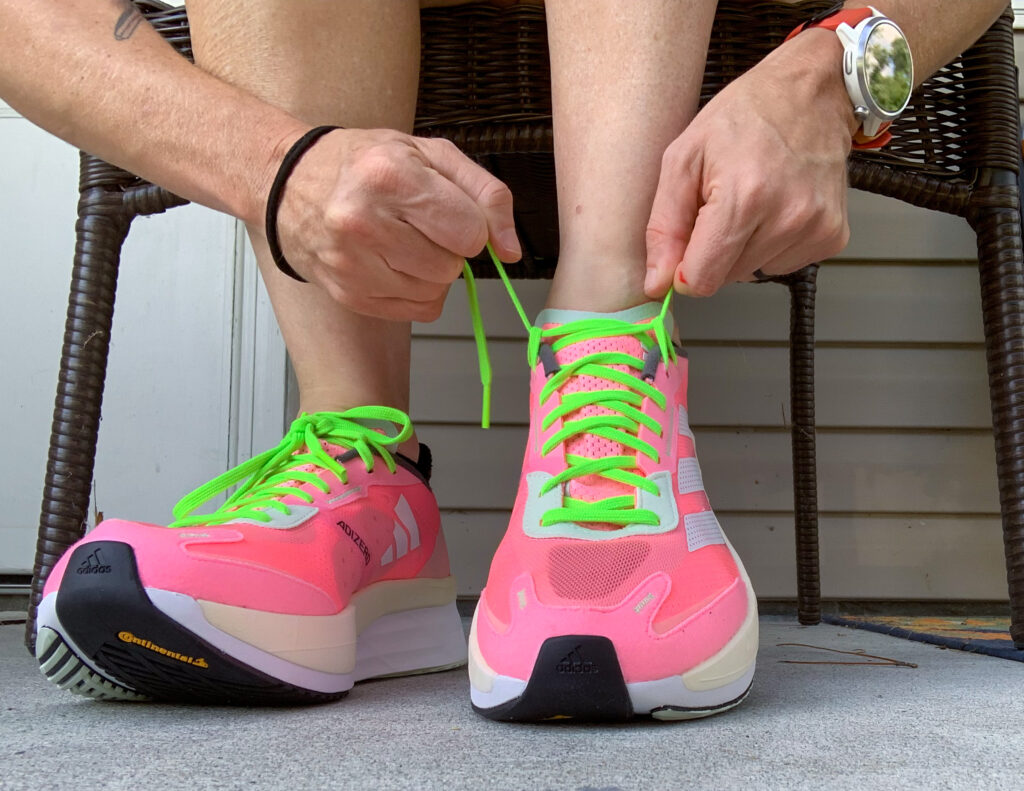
(764,245)
(355,278)
(407,250)
(443,213)
(817,241)
(393,309)
(719,238)
(493,197)
(673,214)
(366,242)
(397,309)
(792,261)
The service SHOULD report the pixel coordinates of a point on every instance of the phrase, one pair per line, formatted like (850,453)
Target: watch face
(888,69)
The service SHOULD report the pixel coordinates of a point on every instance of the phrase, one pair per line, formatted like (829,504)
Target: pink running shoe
(327,566)
(615,592)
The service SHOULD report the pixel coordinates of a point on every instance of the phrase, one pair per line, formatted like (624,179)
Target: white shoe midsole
(369,638)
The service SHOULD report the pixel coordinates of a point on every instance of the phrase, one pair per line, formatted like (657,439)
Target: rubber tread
(55,657)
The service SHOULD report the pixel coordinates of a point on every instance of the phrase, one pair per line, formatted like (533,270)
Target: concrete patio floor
(955,721)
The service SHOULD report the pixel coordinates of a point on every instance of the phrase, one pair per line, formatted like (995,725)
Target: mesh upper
(571,572)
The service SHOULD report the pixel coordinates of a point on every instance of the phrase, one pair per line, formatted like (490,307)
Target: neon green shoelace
(621,424)
(274,474)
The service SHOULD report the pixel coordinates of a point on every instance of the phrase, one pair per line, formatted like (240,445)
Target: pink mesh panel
(587,571)
(602,573)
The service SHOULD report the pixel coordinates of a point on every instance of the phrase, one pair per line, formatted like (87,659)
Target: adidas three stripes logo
(406,533)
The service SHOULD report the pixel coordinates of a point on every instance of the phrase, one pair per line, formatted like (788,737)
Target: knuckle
(440,148)
(380,170)
(754,193)
(336,292)
(427,311)
(495,195)
(655,235)
(452,267)
(448,146)
(833,225)
(703,285)
(832,232)
(470,240)
(675,157)
(335,218)
(430,292)
(843,236)
(334,259)
(343,222)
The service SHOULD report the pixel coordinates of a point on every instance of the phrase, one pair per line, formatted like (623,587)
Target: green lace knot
(274,474)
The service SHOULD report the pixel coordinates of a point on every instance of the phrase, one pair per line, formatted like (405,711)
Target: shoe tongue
(595,487)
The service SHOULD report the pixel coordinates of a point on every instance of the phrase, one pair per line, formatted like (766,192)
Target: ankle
(597,283)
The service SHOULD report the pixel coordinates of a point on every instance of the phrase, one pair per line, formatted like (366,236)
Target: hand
(382,220)
(758,179)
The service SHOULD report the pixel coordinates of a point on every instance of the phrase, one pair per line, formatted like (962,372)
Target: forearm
(938,30)
(90,73)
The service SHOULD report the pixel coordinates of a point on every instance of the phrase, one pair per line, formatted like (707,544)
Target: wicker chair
(485,85)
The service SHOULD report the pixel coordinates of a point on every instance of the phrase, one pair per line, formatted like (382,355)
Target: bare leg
(625,84)
(353,64)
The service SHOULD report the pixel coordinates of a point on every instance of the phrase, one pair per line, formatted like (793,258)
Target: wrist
(820,55)
(271,145)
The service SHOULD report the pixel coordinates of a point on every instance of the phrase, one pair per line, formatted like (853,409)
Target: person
(615,592)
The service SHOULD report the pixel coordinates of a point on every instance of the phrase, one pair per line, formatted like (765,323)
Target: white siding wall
(906,460)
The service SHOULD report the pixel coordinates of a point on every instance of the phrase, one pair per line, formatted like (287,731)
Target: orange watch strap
(851,16)
(863,143)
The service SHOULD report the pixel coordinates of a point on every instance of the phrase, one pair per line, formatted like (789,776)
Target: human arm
(93,73)
(758,180)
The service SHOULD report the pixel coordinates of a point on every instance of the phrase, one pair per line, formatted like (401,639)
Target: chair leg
(995,216)
(802,287)
(100,232)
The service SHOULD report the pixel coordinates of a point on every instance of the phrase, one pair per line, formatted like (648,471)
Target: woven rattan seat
(485,84)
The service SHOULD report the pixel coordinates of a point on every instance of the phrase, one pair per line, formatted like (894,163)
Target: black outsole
(104,610)
(575,677)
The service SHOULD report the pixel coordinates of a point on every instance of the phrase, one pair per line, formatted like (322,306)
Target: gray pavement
(956,721)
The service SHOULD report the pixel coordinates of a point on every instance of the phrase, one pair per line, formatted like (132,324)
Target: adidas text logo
(574,662)
(357,540)
(94,564)
(406,533)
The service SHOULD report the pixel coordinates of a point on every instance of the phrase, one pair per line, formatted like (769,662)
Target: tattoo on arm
(128,22)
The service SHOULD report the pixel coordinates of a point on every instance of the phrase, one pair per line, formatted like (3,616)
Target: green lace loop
(274,474)
(623,423)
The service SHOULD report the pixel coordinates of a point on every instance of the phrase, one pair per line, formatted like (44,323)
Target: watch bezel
(864,31)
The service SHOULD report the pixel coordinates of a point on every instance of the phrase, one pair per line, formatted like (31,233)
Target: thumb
(490,194)
(673,216)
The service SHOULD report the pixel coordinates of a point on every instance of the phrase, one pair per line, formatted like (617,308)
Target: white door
(196,378)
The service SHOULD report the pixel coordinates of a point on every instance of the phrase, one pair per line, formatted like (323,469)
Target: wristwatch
(877,67)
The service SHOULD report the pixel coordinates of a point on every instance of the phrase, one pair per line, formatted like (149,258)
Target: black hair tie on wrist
(291,159)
